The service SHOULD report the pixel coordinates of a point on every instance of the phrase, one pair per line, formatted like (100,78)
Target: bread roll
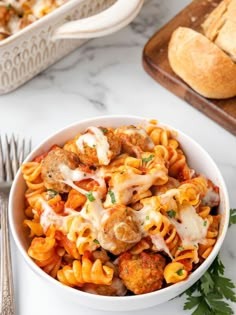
(202,64)
(220,27)
(215,20)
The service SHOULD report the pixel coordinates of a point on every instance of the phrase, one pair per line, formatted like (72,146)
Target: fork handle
(7,290)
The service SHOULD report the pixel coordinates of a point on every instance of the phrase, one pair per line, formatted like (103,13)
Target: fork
(10,160)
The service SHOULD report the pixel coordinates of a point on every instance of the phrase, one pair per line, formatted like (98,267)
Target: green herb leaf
(232,219)
(104,130)
(207,284)
(217,267)
(217,305)
(52,193)
(90,196)
(191,302)
(96,241)
(180,248)
(179,272)
(171,213)
(148,159)
(112,195)
(147,217)
(225,286)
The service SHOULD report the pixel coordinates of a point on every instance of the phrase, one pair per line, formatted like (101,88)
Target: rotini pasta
(119,207)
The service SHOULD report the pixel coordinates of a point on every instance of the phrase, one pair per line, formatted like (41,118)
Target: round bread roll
(202,64)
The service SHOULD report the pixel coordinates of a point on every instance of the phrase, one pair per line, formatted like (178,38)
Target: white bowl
(198,159)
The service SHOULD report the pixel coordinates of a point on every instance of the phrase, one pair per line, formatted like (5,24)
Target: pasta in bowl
(119,208)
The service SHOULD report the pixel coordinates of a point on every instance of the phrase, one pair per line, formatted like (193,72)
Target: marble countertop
(105,76)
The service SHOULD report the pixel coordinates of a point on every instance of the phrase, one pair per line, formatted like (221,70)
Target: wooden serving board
(155,62)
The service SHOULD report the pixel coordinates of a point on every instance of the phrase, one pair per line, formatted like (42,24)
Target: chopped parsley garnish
(179,272)
(104,130)
(112,196)
(147,217)
(90,196)
(180,248)
(148,159)
(205,223)
(96,241)
(8,7)
(171,213)
(52,193)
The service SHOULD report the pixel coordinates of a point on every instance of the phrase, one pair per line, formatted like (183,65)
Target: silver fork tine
(14,155)
(8,169)
(2,171)
(22,152)
(30,146)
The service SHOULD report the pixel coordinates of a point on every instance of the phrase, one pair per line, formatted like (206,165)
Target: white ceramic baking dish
(39,45)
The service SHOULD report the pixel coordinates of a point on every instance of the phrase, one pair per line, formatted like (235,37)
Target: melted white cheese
(76,175)
(38,7)
(50,217)
(192,229)
(131,183)
(160,244)
(211,198)
(91,213)
(96,140)
(149,215)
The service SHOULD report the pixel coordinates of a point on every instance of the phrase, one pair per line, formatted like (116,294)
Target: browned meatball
(119,231)
(51,173)
(142,273)
(134,140)
(91,155)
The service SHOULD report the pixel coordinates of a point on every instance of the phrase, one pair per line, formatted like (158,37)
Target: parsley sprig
(232,219)
(207,296)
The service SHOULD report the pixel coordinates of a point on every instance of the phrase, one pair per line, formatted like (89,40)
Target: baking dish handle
(120,14)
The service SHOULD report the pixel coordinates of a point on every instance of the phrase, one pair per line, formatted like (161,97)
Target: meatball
(98,146)
(142,273)
(135,140)
(119,232)
(51,173)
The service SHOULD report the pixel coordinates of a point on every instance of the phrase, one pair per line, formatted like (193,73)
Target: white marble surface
(105,76)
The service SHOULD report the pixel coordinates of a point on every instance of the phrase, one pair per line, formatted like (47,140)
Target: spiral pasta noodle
(43,250)
(32,174)
(85,271)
